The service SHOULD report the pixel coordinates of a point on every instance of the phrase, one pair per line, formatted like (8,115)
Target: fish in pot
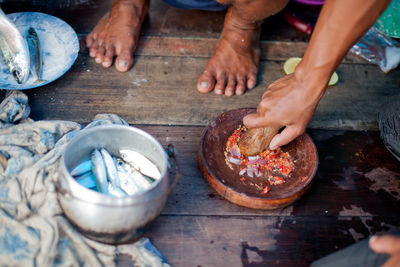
(110,217)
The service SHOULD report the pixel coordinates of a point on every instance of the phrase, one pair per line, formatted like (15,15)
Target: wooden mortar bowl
(227,182)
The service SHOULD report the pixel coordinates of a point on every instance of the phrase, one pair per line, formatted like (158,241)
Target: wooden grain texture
(356,191)
(162,20)
(355,195)
(345,184)
(205,47)
(261,241)
(162,90)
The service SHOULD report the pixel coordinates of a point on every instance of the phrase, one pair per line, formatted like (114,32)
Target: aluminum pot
(107,218)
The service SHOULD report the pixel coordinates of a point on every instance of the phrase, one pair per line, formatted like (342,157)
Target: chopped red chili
(266,190)
(269,162)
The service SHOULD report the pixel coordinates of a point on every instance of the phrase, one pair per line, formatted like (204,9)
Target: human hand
(290,101)
(387,244)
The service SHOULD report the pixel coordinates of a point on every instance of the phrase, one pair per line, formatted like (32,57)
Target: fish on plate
(35,53)
(14,48)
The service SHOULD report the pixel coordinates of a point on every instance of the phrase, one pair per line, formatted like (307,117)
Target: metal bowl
(107,218)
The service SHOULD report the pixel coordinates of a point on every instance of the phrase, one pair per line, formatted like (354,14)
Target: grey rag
(33,230)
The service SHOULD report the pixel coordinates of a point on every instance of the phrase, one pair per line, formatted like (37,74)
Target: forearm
(340,24)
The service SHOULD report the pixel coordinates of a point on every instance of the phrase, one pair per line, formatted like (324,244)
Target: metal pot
(107,218)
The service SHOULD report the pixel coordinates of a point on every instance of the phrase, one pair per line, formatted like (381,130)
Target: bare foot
(233,67)
(117,34)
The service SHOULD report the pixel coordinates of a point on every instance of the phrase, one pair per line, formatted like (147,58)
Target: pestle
(256,140)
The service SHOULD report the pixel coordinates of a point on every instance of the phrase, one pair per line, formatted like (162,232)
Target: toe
(206,82)
(240,86)
(221,84)
(251,81)
(100,54)
(93,49)
(108,57)
(89,41)
(124,61)
(230,87)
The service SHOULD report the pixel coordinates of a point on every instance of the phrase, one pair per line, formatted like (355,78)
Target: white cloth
(33,230)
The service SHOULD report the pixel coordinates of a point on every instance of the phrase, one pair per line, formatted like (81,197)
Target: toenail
(218,91)
(204,84)
(106,64)
(251,85)
(97,60)
(122,63)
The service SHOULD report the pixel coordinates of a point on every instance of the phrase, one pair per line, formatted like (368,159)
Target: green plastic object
(389,22)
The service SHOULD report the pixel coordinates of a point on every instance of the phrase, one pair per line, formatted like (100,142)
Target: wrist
(313,80)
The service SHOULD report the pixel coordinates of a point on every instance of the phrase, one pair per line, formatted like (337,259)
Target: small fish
(82,168)
(87,180)
(115,191)
(35,52)
(99,171)
(127,184)
(131,180)
(142,164)
(14,48)
(112,172)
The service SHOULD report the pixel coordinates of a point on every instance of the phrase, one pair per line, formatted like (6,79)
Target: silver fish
(35,52)
(14,48)
(112,172)
(99,171)
(82,168)
(87,180)
(141,164)
(127,184)
(131,181)
(115,191)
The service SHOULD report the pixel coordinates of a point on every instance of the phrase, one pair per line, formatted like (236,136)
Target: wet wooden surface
(357,186)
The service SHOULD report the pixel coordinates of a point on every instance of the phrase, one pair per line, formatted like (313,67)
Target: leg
(117,34)
(234,65)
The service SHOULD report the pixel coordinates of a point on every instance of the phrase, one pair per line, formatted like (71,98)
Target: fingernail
(272,146)
(122,63)
(204,84)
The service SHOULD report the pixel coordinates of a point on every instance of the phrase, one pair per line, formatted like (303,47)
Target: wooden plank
(172,32)
(258,241)
(356,176)
(162,90)
(163,20)
(205,47)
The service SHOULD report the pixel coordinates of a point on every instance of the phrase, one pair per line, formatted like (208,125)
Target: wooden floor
(357,188)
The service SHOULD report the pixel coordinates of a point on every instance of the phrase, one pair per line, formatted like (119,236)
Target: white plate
(59,43)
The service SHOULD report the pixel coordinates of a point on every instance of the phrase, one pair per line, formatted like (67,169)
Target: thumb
(387,244)
(285,137)
(254,120)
